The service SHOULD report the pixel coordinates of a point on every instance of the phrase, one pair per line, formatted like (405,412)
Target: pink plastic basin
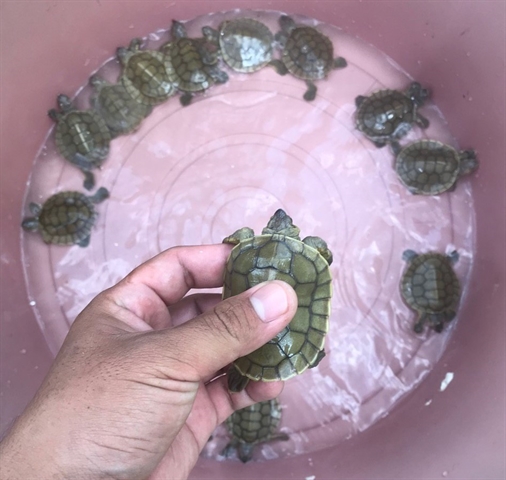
(456,48)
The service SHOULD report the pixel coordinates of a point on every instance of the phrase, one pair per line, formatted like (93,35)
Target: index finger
(172,273)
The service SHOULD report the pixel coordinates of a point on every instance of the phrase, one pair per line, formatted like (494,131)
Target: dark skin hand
(134,391)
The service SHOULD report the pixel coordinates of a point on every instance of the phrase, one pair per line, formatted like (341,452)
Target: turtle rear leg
(84,242)
(319,358)
(339,62)
(100,195)
(185,99)
(418,327)
(89,180)
(310,94)
(235,381)
(239,235)
(279,66)
(359,100)
(322,247)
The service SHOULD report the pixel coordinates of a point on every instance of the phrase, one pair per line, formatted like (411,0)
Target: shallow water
(193,175)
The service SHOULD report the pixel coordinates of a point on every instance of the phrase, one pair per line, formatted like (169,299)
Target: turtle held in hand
(66,218)
(279,254)
(428,167)
(431,288)
(306,54)
(253,425)
(147,76)
(121,113)
(194,61)
(81,137)
(388,115)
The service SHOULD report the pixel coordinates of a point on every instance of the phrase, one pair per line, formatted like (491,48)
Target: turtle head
(468,162)
(122,54)
(64,103)
(281,224)
(286,23)
(417,94)
(211,35)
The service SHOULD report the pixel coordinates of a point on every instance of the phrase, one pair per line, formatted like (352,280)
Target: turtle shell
(385,115)
(121,113)
(246,44)
(278,257)
(255,424)
(67,218)
(189,69)
(84,132)
(428,167)
(308,54)
(429,284)
(148,77)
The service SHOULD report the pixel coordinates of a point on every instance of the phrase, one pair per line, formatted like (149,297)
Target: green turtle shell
(430,285)
(308,54)
(246,44)
(148,77)
(255,424)
(121,113)
(278,257)
(67,218)
(83,132)
(385,115)
(428,167)
(189,69)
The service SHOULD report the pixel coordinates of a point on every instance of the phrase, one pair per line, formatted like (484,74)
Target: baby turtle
(65,218)
(278,253)
(428,167)
(147,76)
(430,287)
(81,136)
(120,111)
(194,61)
(388,115)
(306,54)
(245,44)
(253,425)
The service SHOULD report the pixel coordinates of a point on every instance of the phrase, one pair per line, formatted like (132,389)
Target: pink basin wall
(457,48)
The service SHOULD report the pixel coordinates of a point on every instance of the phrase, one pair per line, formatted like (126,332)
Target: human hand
(133,392)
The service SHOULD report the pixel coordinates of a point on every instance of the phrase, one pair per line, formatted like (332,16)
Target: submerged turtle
(430,287)
(81,136)
(65,218)
(253,425)
(388,115)
(147,76)
(120,111)
(306,54)
(278,253)
(194,61)
(428,167)
(245,44)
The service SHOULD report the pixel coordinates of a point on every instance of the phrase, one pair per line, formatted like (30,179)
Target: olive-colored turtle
(388,115)
(428,167)
(253,425)
(81,137)
(306,54)
(278,253)
(246,44)
(147,75)
(430,287)
(194,61)
(120,111)
(65,218)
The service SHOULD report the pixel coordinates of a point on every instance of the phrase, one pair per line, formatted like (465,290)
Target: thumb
(233,328)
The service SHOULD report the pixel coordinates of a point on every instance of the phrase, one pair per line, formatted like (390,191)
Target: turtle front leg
(318,359)
(421,121)
(418,327)
(89,180)
(359,100)
(310,94)
(235,381)
(186,99)
(238,236)
(320,245)
(279,66)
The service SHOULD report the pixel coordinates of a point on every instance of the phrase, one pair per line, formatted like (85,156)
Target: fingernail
(269,302)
